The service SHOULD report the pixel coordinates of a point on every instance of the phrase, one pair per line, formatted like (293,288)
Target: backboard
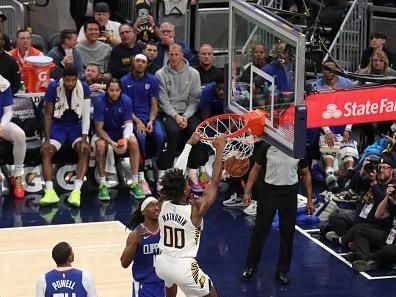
(276,87)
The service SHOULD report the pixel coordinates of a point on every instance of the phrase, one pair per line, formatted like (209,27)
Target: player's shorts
(65,133)
(185,273)
(115,135)
(148,289)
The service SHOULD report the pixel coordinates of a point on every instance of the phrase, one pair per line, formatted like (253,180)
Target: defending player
(66,119)
(65,280)
(141,247)
(181,226)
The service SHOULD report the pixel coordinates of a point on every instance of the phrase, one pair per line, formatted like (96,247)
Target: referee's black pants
(175,137)
(270,199)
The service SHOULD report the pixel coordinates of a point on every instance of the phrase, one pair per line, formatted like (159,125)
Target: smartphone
(143,13)
(102,29)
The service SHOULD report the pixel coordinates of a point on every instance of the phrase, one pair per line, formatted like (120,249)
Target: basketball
(236,167)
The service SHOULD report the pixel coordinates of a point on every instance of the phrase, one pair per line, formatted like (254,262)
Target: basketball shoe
(203,179)
(235,200)
(19,192)
(194,183)
(75,198)
(145,187)
(136,191)
(50,197)
(251,210)
(103,194)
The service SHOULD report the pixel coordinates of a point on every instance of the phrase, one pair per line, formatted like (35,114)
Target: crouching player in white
(66,120)
(181,224)
(113,122)
(13,133)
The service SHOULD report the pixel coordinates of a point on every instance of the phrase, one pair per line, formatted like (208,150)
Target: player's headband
(146,202)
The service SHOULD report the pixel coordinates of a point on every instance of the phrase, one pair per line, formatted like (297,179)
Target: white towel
(4,84)
(110,160)
(77,99)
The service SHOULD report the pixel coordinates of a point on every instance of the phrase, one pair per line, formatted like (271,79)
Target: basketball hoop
(239,129)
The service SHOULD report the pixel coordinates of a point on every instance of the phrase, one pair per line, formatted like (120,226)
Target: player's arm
(182,161)
(89,284)
(40,287)
(129,252)
(48,112)
(210,193)
(86,118)
(102,133)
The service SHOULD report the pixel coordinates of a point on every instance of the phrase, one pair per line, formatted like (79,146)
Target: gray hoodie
(179,91)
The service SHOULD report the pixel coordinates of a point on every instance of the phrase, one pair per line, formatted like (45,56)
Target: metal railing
(15,16)
(350,41)
(268,38)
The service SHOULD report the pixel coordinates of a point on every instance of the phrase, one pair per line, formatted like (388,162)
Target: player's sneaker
(136,191)
(50,197)
(19,192)
(203,179)
(194,184)
(145,187)
(158,186)
(331,182)
(251,210)
(75,198)
(234,201)
(103,194)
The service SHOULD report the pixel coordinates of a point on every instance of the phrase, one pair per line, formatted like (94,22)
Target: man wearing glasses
(371,181)
(121,56)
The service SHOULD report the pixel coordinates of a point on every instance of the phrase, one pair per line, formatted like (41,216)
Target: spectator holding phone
(145,28)
(109,30)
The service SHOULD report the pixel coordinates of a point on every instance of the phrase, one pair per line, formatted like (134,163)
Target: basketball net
(239,129)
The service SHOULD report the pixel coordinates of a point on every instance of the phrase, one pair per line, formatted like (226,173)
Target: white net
(240,146)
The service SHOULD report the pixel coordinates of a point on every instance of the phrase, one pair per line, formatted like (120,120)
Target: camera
(371,166)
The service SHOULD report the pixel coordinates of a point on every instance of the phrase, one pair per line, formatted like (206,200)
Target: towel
(4,84)
(77,99)
(110,160)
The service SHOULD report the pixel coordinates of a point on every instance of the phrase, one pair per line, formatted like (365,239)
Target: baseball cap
(102,7)
(3,16)
(387,159)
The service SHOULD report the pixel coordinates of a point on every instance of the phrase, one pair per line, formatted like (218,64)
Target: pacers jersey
(143,264)
(179,237)
(65,283)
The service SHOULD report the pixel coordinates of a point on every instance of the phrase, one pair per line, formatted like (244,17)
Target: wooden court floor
(25,254)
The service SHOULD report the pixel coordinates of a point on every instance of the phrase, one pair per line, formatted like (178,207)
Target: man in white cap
(143,89)
(108,29)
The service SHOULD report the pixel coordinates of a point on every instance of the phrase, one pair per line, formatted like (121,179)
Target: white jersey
(179,237)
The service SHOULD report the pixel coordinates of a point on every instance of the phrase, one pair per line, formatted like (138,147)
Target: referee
(279,185)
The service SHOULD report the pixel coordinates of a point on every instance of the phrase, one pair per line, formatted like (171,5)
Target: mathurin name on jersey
(174,217)
(63,283)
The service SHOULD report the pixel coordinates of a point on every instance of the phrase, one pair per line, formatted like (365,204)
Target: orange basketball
(236,167)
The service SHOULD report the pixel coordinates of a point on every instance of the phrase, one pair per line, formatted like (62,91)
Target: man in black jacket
(9,67)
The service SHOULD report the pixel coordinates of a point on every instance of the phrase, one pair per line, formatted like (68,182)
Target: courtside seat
(39,42)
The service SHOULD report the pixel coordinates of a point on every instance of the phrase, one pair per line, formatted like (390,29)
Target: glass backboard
(274,84)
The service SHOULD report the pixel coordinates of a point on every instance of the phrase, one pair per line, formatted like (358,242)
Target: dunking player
(65,280)
(66,119)
(141,247)
(181,225)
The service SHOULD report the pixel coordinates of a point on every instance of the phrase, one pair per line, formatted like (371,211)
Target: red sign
(341,107)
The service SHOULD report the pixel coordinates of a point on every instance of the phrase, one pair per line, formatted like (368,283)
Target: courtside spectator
(122,55)
(23,49)
(151,52)
(207,71)
(93,78)
(7,44)
(65,54)
(83,10)
(377,42)
(8,67)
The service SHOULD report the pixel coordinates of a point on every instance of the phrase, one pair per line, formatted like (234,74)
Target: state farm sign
(355,106)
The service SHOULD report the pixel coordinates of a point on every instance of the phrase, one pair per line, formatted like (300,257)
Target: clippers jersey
(143,264)
(179,237)
(65,283)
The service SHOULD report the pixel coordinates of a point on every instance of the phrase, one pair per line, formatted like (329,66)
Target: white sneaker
(234,201)
(251,210)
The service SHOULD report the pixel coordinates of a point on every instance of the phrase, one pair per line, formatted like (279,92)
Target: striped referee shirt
(281,169)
